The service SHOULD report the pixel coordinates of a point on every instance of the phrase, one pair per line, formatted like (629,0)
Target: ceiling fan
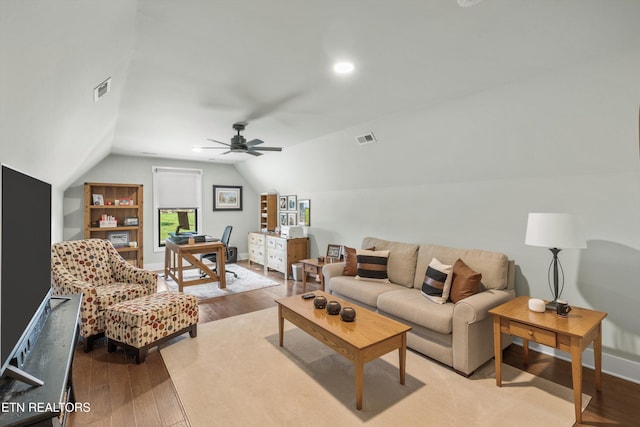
(239,144)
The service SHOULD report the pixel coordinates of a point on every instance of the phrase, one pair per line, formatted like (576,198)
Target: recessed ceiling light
(343,67)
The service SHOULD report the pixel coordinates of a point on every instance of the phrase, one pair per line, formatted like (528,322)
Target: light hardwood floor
(122,393)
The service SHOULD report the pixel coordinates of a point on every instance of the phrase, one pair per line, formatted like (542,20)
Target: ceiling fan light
(343,67)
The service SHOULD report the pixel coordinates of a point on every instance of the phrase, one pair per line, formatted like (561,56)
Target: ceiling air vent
(365,139)
(101,90)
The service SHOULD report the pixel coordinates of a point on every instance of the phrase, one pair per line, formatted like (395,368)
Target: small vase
(348,314)
(320,302)
(333,308)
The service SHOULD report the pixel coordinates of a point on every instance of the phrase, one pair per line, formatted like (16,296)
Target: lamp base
(552,305)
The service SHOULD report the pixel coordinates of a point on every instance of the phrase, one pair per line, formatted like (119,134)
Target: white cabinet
(277,253)
(257,250)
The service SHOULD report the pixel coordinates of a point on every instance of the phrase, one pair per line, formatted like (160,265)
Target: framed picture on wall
(292,218)
(227,197)
(334,251)
(283,203)
(304,212)
(284,220)
(291,203)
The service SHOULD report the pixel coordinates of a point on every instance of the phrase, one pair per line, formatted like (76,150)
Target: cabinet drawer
(256,239)
(531,333)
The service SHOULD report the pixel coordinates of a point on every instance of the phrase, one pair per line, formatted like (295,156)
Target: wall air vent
(365,139)
(101,90)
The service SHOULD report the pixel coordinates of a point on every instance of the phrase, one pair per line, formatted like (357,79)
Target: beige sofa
(459,335)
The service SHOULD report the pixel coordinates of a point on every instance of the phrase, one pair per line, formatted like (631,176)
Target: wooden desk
(572,333)
(313,266)
(174,254)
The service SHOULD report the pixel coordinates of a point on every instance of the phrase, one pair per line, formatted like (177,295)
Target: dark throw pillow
(466,281)
(437,282)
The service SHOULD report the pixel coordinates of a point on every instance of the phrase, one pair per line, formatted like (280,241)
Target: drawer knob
(530,332)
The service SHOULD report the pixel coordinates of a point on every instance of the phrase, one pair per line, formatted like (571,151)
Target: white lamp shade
(554,230)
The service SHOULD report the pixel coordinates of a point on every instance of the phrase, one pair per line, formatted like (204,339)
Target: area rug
(247,280)
(235,374)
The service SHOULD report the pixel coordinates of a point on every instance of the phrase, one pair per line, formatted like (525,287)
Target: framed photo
(130,221)
(118,238)
(97,199)
(125,202)
(283,203)
(304,212)
(334,251)
(284,220)
(291,203)
(227,197)
(292,218)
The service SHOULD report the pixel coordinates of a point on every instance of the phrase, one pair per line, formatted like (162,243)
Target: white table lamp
(555,231)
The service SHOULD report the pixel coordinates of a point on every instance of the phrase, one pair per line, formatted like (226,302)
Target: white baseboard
(613,365)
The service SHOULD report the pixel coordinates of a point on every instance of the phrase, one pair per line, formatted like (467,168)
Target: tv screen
(25,261)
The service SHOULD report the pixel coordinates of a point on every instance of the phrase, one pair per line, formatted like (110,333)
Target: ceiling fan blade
(274,105)
(219,142)
(267,148)
(213,148)
(254,142)
(253,153)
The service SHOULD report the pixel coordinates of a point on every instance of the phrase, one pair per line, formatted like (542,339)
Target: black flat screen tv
(25,263)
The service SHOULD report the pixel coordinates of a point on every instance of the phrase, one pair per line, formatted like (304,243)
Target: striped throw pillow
(437,281)
(372,265)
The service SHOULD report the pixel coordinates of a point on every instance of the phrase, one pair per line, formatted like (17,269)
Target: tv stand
(49,359)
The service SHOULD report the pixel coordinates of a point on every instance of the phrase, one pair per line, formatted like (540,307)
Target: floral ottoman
(148,321)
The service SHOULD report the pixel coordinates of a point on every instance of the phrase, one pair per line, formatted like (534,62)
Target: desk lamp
(555,231)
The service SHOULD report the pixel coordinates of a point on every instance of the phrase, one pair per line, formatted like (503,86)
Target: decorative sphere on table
(348,314)
(333,307)
(320,302)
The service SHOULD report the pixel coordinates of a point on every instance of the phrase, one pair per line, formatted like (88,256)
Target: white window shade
(177,188)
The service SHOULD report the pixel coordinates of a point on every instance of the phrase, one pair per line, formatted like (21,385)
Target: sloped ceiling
(185,72)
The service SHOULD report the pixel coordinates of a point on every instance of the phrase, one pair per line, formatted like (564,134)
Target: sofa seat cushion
(114,293)
(366,292)
(409,304)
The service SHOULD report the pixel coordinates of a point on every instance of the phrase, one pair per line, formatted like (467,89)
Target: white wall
(138,170)
(468,172)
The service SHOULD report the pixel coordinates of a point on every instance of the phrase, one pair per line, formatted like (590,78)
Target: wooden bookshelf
(120,201)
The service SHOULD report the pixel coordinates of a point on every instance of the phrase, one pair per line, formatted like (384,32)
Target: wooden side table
(572,333)
(313,266)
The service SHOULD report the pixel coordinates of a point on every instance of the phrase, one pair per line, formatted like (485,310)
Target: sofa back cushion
(401,266)
(493,266)
(87,260)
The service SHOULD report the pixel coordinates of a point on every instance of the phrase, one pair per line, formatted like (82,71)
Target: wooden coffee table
(572,334)
(367,338)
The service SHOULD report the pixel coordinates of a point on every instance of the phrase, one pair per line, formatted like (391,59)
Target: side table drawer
(308,268)
(531,333)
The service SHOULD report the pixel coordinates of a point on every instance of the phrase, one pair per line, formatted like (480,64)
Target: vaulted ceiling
(199,67)
(183,72)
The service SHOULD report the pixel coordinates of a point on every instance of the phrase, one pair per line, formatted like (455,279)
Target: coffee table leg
(402,355)
(280,325)
(359,374)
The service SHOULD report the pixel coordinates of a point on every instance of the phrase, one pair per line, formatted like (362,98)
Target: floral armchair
(94,268)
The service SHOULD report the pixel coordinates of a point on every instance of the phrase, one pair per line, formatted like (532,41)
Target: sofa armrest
(332,270)
(473,329)
(476,307)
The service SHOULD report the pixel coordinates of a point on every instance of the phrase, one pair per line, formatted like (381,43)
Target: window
(176,191)
(173,220)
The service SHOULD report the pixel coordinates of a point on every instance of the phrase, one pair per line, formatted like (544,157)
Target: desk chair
(226,235)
